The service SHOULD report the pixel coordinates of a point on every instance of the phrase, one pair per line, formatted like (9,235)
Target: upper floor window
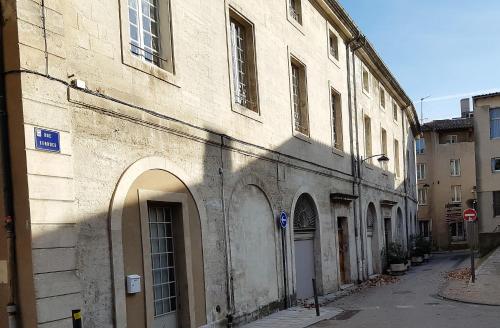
(396,158)
(495,164)
(382,97)
(368,138)
(149,26)
(395,110)
(494,123)
(336,120)
(384,146)
(366,80)
(451,139)
(420,145)
(456,194)
(295,10)
(420,171)
(299,97)
(422,196)
(243,62)
(455,167)
(496,203)
(334,45)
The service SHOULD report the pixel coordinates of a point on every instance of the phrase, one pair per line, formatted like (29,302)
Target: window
(420,145)
(424,228)
(299,98)
(366,80)
(395,110)
(456,194)
(384,147)
(336,120)
(145,26)
(396,158)
(496,203)
(368,138)
(494,123)
(144,30)
(334,45)
(495,164)
(457,231)
(422,196)
(451,139)
(455,167)
(420,171)
(295,10)
(243,62)
(382,97)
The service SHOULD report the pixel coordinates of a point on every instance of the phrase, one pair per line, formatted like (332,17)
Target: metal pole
(316,302)
(472,261)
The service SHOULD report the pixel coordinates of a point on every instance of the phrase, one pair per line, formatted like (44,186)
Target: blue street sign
(283,219)
(47,140)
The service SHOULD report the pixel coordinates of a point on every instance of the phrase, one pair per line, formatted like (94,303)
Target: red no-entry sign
(470,215)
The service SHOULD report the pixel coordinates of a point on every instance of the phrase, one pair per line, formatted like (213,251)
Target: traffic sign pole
(470,216)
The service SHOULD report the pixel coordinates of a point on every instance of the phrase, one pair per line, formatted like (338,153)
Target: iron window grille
(145,30)
(241,79)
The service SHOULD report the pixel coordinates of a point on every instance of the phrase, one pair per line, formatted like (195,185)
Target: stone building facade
(487,131)
(446,176)
(161,140)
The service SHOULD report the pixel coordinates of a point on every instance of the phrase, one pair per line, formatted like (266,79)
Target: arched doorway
(156,235)
(372,247)
(305,217)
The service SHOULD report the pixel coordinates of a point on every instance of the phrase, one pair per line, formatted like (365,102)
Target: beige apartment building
(152,150)
(446,179)
(487,136)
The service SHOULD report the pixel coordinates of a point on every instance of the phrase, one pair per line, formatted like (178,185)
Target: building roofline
(349,23)
(487,95)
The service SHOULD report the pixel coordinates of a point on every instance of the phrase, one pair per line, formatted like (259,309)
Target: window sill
(242,110)
(367,93)
(302,136)
(130,60)
(296,24)
(334,60)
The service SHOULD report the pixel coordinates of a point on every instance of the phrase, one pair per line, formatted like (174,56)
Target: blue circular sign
(283,219)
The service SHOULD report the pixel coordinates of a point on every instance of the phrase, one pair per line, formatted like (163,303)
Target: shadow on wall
(188,211)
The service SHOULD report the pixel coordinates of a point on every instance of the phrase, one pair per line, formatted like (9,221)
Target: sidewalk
(296,317)
(486,289)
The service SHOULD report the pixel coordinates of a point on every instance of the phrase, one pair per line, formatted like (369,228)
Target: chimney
(465,107)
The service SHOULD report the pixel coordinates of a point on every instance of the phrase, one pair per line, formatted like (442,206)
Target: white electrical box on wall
(133,284)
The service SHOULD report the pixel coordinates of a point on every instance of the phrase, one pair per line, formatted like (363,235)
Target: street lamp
(382,158)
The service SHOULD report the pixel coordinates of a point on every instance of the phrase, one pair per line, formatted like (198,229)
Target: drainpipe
(405,170)
(351,144)
(5,167)
(355,159)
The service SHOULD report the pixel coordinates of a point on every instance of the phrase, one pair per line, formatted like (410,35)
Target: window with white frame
(420,171)
(495,164)
(494,123)
(243,62)
(420,145)
(452,139)
(299,98)
(422,196)
(295,10)
(395,110)
(336,120)
(455,167)
(334,45)
(366,80)
(146,39)
(456,194)
(382,97)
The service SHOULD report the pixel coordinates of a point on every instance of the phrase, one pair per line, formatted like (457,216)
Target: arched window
(305,214)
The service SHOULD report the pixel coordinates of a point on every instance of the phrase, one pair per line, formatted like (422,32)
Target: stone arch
(254,251)
(117,205)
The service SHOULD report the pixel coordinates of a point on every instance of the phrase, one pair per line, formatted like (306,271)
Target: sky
(445,49)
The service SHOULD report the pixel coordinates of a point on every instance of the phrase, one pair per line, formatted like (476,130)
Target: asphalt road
(413,303)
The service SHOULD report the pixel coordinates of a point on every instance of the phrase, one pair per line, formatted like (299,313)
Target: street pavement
(413,302)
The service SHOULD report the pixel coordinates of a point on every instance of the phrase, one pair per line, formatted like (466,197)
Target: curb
(465,301)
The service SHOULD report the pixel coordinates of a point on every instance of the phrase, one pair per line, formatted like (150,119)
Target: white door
(304,266)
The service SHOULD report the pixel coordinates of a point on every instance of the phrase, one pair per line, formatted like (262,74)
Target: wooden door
(343,247)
